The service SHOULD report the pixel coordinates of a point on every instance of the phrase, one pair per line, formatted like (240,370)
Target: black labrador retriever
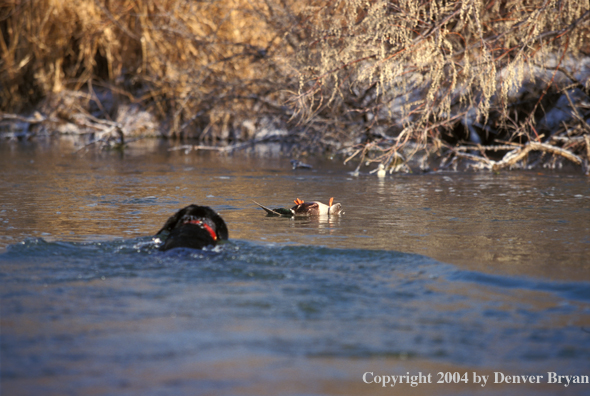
(193,227)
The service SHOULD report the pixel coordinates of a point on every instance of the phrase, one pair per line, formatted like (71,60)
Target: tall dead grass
(204,67)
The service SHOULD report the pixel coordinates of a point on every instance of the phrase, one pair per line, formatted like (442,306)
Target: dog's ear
(171,222)
(220,227)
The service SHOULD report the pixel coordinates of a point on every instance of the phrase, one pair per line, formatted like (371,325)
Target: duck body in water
(303,209)
(193,227)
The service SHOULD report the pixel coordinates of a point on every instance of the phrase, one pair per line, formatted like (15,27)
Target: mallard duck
(193,227)
(301,208)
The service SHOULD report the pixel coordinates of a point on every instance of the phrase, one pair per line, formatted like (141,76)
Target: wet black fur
(192,235)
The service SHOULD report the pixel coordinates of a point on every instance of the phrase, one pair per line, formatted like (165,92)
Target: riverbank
(96,134)
(568,149)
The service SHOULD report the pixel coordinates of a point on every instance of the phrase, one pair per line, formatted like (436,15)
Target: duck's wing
(274,212)
(306,209)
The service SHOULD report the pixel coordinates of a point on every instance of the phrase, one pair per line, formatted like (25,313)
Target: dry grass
(204,67)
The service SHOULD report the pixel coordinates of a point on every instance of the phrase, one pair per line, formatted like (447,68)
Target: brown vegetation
(204,68)
(437,73)
(487,82)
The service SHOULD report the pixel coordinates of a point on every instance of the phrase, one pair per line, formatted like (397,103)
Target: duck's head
(334,208)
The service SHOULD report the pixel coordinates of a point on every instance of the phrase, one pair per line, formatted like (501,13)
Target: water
(424,273)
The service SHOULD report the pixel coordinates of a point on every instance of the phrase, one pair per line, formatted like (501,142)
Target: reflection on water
(468,272)
(532,224)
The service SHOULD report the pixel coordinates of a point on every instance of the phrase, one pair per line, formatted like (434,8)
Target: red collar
(205,226)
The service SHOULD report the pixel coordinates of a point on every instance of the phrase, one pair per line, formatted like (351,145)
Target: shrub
(440,71)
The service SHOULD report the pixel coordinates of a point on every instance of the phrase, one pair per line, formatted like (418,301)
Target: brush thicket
(438,72)
(429,72)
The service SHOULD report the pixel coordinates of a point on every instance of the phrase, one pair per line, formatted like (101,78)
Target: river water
(469,273)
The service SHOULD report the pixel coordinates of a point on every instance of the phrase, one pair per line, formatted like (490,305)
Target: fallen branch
(189,147)
(516,155)
(499,147)
(36,119)
(569,139)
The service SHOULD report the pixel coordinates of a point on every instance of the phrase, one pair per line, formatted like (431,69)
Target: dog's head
(193,227)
